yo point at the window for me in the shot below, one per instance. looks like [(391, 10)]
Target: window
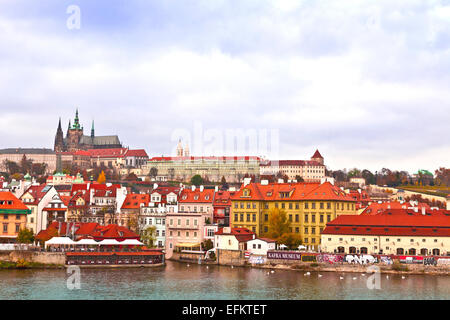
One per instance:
[(5, 228), (266, 217), (296, 218), (328, 205), (313, 240), (306, 205), (179, 233), (290, 205), (235, 217), (195, 234), (306, 218), (328, 217), (306, 230), (313, 218), (254, 217), (187, 234), (290, 218), (266, 229), (321, 205), (17, 228), (242, 217), (313, 205), (195, 222), (321, 218), (313, 230), (297, 229), (248, 217), (296, 206)]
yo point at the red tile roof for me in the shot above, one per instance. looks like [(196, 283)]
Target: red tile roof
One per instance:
[(317, 155), (241, 234), (136, 153), (389, 225), (134, 201), (36, 192), (108, 153), (9, 201), (292, 191), (197, 196), (222, 158)]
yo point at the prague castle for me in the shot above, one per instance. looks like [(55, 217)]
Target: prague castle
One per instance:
[(76, 140)]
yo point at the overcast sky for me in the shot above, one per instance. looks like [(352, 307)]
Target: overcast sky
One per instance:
[(365, 82)]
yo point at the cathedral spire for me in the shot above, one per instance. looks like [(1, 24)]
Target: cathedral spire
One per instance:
[(59, 139), (92, 130), (76, 124)]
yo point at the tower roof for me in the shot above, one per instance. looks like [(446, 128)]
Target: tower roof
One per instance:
[(317, 155)]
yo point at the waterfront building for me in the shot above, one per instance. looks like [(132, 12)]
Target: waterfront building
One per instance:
[(36, 198), (185, 228), (397, 234), (13, 217), (163, 199), (76, 140), (131, 209), (260, 246), (309, 170), (309, 206), (222, 207), (183, 168), (228, 238), (56, 210), (79, 230)]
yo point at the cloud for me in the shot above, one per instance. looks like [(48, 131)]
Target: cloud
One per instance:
[(366, 83)]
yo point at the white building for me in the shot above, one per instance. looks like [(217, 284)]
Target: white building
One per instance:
[(260, 246)]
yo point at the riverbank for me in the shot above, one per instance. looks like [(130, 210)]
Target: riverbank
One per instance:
[(19, 265), (396, 268)]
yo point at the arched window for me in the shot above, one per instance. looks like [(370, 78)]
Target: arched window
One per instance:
[(400, 251), (412, 251), (341, 250), (423, 252), (436, 252), (363, 250), (352, 250)]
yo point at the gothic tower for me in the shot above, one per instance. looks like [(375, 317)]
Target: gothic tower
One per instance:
[(74, 135), (59, 139)]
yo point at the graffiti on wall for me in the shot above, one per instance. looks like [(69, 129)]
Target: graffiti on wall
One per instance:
[(429, 261), (386, 260), (257, 260), (360, 259), (330, 258), (411, 259), (443, 261), (308, 258)]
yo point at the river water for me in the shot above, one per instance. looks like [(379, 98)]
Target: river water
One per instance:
[(199, 282)]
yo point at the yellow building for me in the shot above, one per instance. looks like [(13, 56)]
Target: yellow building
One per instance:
[(13, 217), (309, 206)]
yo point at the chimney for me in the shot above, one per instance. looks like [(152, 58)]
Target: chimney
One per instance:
[(155, 186), (416, 209), (227, 230), (264, 182), (216, 188), (359, 190), (280, 181), (193, 188), (247, 181), (202, 188), (423, 210)]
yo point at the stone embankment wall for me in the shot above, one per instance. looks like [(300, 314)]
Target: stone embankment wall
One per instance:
[(230, 257), (33, 256)]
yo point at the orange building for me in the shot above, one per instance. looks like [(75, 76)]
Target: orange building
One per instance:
[(13, 217)]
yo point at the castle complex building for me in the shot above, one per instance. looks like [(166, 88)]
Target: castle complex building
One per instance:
[(76, 140)]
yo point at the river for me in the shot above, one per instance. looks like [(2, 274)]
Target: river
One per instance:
[(199, 282)]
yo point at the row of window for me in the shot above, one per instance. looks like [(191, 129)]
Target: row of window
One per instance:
[(290, 205), (150, 221), (194, 209), (6, 216), (187, 234), (386, 240), (187, 222), (5, 228)]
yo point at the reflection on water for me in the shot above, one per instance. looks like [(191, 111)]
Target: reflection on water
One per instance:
[(197, 282)]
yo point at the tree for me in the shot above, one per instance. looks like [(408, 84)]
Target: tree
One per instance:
[(153, 172), (148, 236), (223, 180), (101, 177), (38, 168), (11, 166), (207, 245), (442, 177), (278, 223), (132, 177), (133, 223), (171, 172), (25, 164), (299, 179), (25, 236), (196, 180), (292, 240)]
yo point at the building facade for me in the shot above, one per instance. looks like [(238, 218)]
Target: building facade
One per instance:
[(13, 217)]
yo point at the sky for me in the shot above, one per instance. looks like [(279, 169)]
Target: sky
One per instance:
[(365, 82)]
